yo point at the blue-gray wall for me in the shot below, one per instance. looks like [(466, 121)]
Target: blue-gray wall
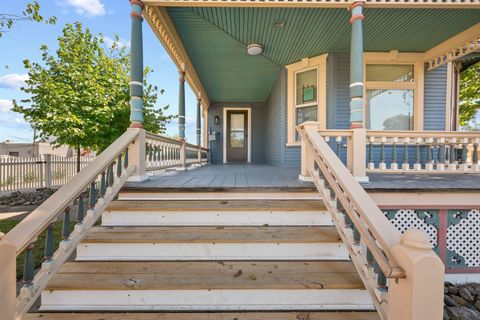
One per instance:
[(269, 120), (257, 130)]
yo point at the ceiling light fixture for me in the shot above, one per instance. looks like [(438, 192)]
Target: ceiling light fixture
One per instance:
[(254, 49), (279, 24)]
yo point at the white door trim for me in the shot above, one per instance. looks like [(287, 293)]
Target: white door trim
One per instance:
[(249, 116)]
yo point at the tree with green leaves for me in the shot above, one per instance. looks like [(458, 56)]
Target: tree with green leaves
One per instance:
[(31, 13), (469, 96), (80, 95)]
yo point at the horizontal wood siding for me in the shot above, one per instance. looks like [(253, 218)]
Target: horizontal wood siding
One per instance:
[(435, 98), (275, 129)]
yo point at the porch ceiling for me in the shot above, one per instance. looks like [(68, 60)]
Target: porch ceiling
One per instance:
[(215, 39)]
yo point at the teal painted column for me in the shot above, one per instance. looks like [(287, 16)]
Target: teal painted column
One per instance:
[(199, 121), (356, 65), (136, 68), (181, 105)]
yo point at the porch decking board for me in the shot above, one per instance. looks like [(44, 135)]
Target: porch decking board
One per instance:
[(345, 315)]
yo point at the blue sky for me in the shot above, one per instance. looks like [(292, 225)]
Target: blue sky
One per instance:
[(108, 17)]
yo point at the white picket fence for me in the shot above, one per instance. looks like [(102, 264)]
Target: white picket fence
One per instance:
[(45, 171)]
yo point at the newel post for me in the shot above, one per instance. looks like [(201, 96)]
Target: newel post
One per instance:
[(307, 160), (136, 156), (8, 256), (420, 295), (136, 65)]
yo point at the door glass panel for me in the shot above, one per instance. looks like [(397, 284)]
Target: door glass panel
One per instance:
[(306, 87), (237, 130), (389, 109)]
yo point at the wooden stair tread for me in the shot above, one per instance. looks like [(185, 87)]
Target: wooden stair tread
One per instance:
[(217, 205), (212, 234), (342, 315), (208, 275)]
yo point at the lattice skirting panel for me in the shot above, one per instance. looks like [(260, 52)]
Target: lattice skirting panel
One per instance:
[(454, 233)]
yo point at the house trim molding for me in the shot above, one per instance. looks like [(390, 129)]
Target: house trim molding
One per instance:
[(320, 63), (446, 4)]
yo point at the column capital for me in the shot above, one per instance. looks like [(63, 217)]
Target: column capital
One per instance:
[(138, 2), (181, 74)]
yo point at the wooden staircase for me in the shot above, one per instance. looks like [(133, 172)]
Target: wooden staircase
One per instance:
[(229, 254)]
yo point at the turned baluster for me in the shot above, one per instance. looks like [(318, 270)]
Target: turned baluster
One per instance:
[(66, 224), (382, 165), (119, 166), (429, 147), (154, 153), (150, 152), (125, 163), (49, 243), (80, 209), (463, 160), (371, 164), (441, 154), (29, 266), (92, 196), (475, 164), (452, 165), (103, 184), (406, 164), (417, 166), (394, 165)]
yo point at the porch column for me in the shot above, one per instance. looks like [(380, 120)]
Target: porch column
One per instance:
[(356, 65), (181, 105), (199, 121), (136, 68), (358, 146)]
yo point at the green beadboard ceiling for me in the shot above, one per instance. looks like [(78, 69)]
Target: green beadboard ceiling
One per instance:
[(216, 38)]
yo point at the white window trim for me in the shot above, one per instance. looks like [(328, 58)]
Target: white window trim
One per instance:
[(319, 63), (403, 58), (249, 132)]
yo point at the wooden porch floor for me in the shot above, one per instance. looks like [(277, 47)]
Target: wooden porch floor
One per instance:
[(266, 176), (226, 176)]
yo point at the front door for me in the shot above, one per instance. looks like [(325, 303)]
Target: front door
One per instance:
[(237, 135)]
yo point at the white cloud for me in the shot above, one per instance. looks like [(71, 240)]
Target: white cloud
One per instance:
[(13, 80), (5, 105), (90, 8), (121, 42)]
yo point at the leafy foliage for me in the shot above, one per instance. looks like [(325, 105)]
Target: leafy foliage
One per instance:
[(469, 94), (31, 13), (81, 95)]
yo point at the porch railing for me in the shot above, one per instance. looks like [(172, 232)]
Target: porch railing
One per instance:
[(423, 151), (405, 151), (401, 272), (162, 153)]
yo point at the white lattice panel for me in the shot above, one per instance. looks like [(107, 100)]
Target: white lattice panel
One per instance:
[(464, 238), (407, 219)]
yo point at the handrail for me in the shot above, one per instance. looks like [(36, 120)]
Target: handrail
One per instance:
[(353, 196), (158, 137), (422, 134), (37, 221), (402, 274)]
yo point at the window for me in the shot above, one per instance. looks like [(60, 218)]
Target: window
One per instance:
[(305, 97), (392, 95)]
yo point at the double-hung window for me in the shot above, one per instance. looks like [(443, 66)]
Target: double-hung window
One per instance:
[(306, 96)]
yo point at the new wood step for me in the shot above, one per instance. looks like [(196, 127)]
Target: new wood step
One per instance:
[(216, 212), (211, 243), (345, 315), (222, 285)]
